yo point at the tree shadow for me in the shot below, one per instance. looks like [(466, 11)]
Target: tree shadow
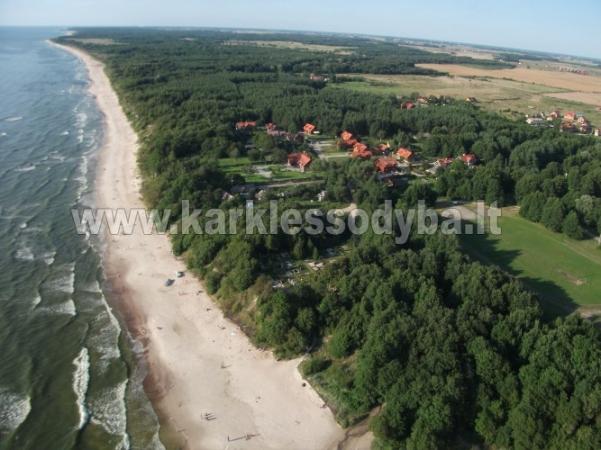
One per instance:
[(554, 299)]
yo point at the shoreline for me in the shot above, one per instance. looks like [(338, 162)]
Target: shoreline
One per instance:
[(198, 361)]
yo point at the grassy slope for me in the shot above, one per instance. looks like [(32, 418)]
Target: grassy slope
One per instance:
[(566, 273)]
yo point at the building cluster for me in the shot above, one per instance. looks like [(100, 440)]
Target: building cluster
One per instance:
[(575, 123), (469, 159), (273, 130), (388, 163), (571, 122)]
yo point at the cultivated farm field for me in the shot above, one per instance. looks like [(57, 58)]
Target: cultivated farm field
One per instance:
[(509, 97)]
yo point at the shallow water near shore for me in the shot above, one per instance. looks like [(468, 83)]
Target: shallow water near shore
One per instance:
[(67, 372)]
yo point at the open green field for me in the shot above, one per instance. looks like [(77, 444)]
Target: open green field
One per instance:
[(566, 273), (252, 174), (509, 97)]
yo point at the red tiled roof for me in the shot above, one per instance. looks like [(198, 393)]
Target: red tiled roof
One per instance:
[(383, 147), (309, 128), (360, 150), (346, 136), (245, 124), (299, 159), (444, 162), (405, 153), (469, 158), (385, 164)]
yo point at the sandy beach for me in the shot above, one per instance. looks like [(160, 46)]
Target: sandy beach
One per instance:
[(199, 362)]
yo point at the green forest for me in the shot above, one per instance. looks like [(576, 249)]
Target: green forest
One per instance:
[(450, 352)]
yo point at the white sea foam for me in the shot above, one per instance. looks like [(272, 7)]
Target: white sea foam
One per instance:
[(108, 410), (93, 287), (13, 119), (81, 379), (14, 409), (65, 133), (82, 178), (62, 309), (26, 168), (24, 253), (48, 257), (56, 156), (36, 300), (66, 281), (81, 119), (3, 134)]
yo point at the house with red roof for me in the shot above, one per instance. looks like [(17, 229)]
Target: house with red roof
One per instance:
[(300, 160), (346, 136), (361, 151), (443, 162), (408, 105), (469, 158), (385, 164), (245, 125), (405, 153), (570, 116), (347, 140), (309, 128), (383, 148)]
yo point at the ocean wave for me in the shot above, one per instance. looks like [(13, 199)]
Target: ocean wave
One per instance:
[(81, 119), (65, 133), (25, 168), (14, 409), (3, 134), (109, 411), (13, 119), (64, 282), (63, 309), (25, 254), (92, 287), (48, 257), (36, 300), (55, 155), (82, 178), (81, 379)]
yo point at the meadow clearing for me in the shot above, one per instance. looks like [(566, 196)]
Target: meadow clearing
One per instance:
[(564, 272)]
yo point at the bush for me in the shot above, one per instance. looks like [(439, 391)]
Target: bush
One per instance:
[(314, 365), (213, 281)]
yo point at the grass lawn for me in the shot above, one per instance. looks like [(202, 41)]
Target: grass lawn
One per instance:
[(244, 167), (566, 273)]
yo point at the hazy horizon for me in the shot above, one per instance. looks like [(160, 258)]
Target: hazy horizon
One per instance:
[(535, 26)]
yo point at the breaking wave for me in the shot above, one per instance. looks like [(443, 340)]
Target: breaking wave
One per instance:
[(14, 409), (81, 379), (109, 411)]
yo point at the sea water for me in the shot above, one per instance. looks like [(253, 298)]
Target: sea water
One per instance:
[(68, 378)]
